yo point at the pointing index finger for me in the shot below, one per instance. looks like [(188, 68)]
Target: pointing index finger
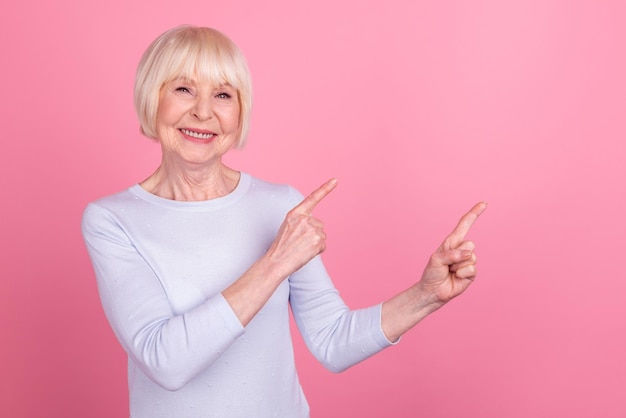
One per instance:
[(308, 203), (465, 223)]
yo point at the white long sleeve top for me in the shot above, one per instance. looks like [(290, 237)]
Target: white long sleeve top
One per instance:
[(161, 265)]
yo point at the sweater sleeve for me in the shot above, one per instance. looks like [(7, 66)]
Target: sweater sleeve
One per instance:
[(337, 336), (169, 348)]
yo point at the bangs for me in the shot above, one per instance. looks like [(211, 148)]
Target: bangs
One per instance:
[(214, 61)]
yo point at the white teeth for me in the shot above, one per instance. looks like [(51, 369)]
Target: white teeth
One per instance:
[(197, 134)]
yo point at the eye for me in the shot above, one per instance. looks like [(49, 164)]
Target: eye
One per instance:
[(223, 95), (182, 90)]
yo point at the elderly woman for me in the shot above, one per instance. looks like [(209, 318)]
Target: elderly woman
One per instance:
[(198, 264)]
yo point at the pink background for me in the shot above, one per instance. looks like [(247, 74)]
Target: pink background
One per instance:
[(420, 108)]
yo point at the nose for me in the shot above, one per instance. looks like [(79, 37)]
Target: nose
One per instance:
[(202, 109)]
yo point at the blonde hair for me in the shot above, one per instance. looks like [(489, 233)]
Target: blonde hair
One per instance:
[(191, 52)]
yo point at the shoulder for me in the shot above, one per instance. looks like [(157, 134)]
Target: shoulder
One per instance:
[(115, 200), (105, 209), (279, 192)]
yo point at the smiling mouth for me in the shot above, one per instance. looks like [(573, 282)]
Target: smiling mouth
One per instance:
[(198, 135)]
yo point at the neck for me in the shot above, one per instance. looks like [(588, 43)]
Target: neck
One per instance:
[(191, 183)]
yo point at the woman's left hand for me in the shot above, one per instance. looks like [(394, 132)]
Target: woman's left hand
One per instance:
[(452, 267)]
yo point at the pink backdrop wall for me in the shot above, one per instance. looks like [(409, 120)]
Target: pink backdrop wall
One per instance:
[(420, 108)]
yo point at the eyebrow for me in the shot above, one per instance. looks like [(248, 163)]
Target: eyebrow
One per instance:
[(192, 81)]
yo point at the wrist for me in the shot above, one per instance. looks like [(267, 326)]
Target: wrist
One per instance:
[(425, 299), (271, 269), (407, 309)]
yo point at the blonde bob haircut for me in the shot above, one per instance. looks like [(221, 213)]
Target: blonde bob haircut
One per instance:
[(195, 53)]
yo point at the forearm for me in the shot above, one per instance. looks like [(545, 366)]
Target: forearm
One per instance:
[(405, 310), (336, 336), (248, 294)]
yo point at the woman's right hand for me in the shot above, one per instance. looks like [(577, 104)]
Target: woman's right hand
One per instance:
[(301, 236)]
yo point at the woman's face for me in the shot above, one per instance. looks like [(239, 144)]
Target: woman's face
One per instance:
[(197, 122)]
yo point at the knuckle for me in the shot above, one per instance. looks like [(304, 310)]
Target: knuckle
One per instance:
[(470, 271), (318, 240)]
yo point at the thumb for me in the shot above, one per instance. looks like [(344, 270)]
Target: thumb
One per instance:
[(449, 257)]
